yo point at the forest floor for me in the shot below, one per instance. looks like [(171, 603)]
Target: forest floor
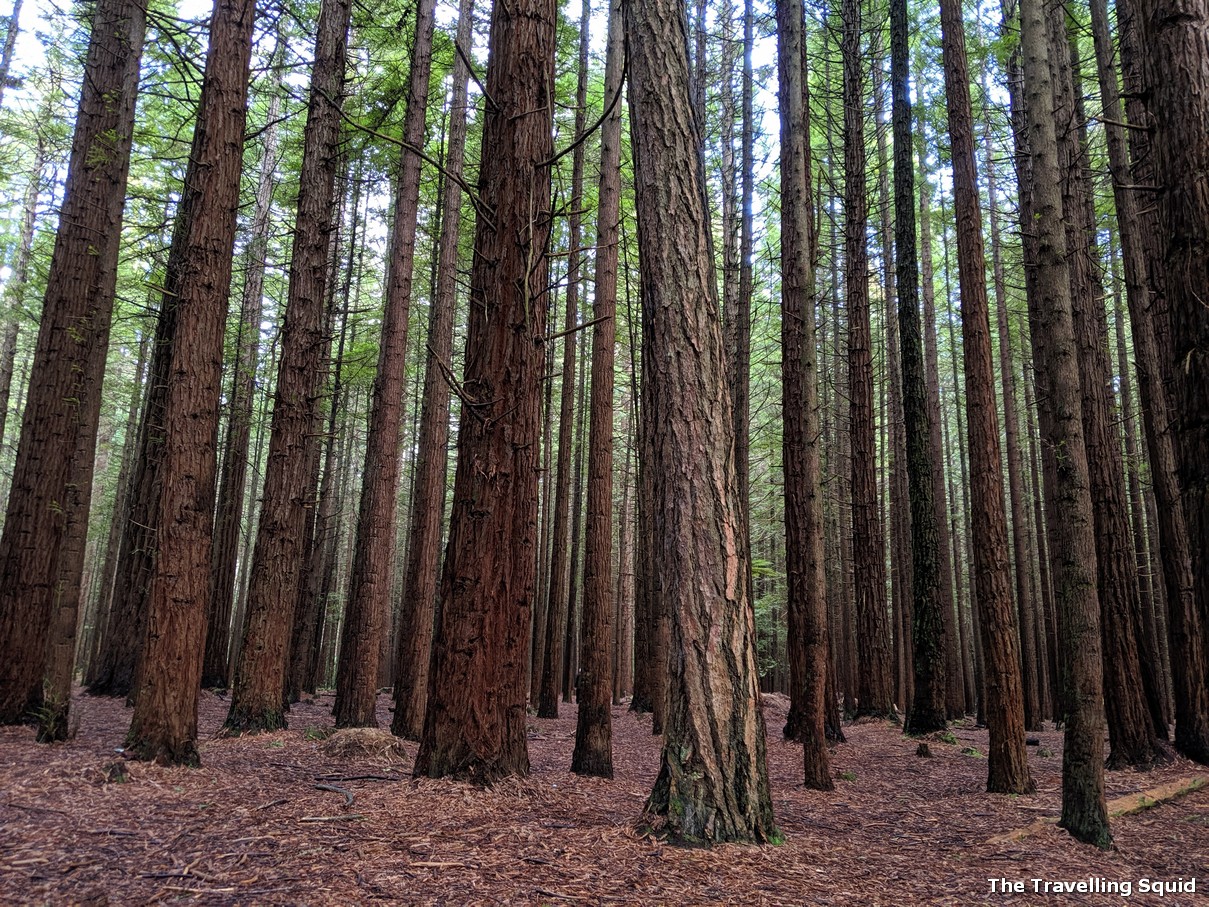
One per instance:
[(251, 826)]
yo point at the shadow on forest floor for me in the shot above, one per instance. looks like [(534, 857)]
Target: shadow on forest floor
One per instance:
[(282, 819)]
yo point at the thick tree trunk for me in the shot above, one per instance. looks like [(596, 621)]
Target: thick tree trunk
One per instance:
[(1130, 731), (593, 753), (474, 726), (1175, 37), (713, 780), (1068, 494), (59, 426), (1008, 762), (807, 590), (164, 725), (258, 696), (1189, 674)]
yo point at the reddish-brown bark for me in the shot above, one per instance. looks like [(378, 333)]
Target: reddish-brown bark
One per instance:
[(59, 426), (164, 725), (474, 726)]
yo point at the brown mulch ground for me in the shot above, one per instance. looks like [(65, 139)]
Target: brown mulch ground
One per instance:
[(252, 827)]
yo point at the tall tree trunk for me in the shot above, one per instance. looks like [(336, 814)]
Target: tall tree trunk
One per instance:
[(1189, 673), (562, 575), (1007, 375), (927, 710), (593, 753), (59, 426), (258, 696), (428, 502), (570, 649), (1084, 813), (368, 603), (713, 779), (1008, 762), (234, 471), (164, 725), (312, 593), (806, 601), (874, 672), (474, 726), (1175, 36), (955, 704), (1130, 731), (738, 317)]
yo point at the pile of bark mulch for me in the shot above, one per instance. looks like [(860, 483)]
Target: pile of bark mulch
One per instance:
[(298, 818)]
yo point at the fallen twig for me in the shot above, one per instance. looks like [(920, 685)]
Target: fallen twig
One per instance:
[(348, 794)]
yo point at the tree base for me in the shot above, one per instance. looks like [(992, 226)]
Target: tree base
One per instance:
[(919, 723), (253, 721), (164, 752)]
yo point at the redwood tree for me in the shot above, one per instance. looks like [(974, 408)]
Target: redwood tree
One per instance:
[(927, 711), (1067, 489), (713, 778), (368, 604), (807, 588), (1176, 40), (1008, 762), (257, 700), (59, 426), (875, 677), (164, 726), (474, 726), (594, 685), (428, 501)]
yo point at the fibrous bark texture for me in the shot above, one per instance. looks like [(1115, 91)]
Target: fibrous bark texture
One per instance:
[(807, 588), (428, 502), (1068, 496), (368, 603), (164, 726), (474, 726), (713, 780), (1007, 761), (258, 696), (594, 686), (52, 476), (927, 710)]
